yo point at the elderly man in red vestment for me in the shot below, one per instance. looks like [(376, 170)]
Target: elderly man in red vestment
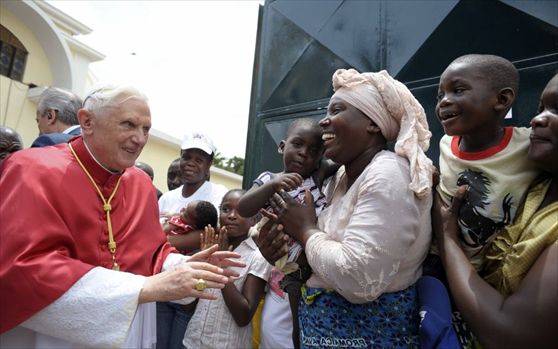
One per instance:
[(82, 254)]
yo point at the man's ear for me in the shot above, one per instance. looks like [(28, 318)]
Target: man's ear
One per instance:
[(85, 119), (281, 147), (51, 116), (372, 128), (505, 99)]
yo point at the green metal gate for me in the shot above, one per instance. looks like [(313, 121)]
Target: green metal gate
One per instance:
[(301, 43)]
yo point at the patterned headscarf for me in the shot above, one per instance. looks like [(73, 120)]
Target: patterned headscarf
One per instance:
[(398, 114)]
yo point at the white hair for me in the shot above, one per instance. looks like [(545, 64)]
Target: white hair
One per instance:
[(65, 102), (111, 95)]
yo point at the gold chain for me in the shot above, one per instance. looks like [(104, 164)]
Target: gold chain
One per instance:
[(106, 207)]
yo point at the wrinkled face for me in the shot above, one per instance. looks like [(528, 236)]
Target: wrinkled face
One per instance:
[(344, 131), (466, 101), (543, 148), (188, 214), (117, 137), (174, 176), (228, 216), (302, 150), (195, 164)]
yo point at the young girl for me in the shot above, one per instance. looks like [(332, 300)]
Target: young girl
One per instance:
[(302, 151), (226, 321)]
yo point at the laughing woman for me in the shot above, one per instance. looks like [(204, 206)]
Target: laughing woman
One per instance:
[(367, 246)]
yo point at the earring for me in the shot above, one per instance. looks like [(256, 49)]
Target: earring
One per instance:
[(280, 151)]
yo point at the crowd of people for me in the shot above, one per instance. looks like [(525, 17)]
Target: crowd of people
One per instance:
[(351, 245)]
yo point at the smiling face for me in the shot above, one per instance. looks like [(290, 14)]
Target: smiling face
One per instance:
[(118, 133), (229, 218), (344, 131), (543, 148), (195, 164), (466, 101), (303, 149)]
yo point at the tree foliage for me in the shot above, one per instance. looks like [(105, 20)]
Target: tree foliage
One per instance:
[(234, 164)]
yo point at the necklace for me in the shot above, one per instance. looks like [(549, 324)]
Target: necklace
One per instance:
[(106, 207)]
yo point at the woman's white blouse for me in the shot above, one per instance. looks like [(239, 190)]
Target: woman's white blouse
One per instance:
[(374, 236)]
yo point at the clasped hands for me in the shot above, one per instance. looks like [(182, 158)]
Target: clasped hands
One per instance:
[(286, 218)]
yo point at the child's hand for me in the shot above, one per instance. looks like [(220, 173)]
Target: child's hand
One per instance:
[(287, 182), (210, 238), (223, 240)]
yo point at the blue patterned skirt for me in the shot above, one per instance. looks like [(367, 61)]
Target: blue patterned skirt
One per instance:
[(328, 320)]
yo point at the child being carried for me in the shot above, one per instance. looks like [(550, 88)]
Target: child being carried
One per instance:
[(196, 215)]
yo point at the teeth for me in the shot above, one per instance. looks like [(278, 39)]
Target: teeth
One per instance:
[(447, 116), (328, 136)]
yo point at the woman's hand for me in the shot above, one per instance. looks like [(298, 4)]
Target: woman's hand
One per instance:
[(271, 240), (299, 220), (222, 259), (444, 218)]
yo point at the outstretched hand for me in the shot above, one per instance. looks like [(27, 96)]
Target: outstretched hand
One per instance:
[(222, 259), (444, 217), (180, 282)]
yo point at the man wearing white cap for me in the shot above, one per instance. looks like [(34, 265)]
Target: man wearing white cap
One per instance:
[(196, 157)]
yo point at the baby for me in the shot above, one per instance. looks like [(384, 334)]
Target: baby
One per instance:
[(195, 216)]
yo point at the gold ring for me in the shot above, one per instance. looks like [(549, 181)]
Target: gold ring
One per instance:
[(201, 285)]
